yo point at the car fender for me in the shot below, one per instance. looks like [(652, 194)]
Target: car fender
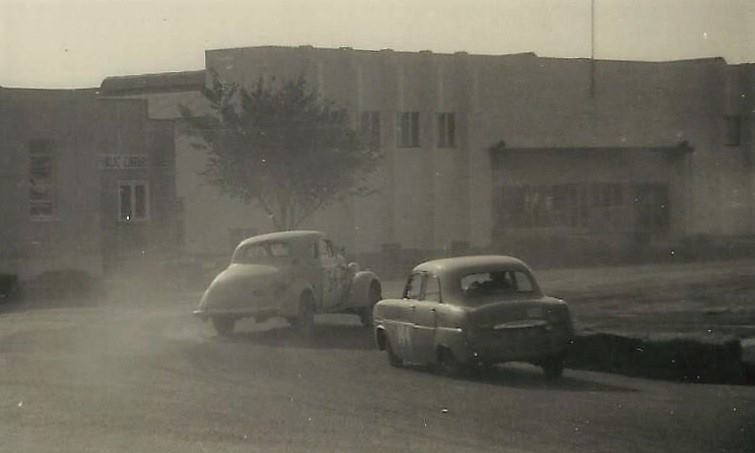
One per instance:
[(453, 338), (359, 289), (289, 303)]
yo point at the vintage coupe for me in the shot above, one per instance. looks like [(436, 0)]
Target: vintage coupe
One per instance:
[(292, 274), (457, 313)]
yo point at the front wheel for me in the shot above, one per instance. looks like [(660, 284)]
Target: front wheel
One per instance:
[(553, 367), (393, 359), (223, 325)]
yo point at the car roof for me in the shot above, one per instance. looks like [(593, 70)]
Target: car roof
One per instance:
[(294, 235), (475, 263)]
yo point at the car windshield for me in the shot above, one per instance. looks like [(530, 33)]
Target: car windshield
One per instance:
[(498, 282), (261, 252)]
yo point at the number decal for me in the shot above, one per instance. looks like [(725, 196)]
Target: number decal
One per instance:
[(404, 336)]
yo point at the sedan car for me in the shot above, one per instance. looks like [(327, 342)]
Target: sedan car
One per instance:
[(465, 311), (291, 274)]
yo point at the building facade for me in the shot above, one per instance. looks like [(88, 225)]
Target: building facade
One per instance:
[(86, 182), (519, 152), (538, 157)]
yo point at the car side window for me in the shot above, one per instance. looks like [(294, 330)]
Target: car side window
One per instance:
[(413, 287), (323, 249), (432, 289), (523, 283)]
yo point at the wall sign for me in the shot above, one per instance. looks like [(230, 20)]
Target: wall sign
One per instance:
[(123, 161)]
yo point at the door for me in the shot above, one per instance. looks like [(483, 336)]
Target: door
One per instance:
[(403, 329), (425, 320), (328, 274)]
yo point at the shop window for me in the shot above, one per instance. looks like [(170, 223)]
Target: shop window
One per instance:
[(133, 201), (652, 206), (41, 180), (408, 130), (369, 128), (446, 130)]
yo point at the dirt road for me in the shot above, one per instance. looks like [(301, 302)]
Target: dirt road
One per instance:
[(115, 378)]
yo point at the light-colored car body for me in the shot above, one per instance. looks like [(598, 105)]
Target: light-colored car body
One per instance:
[(457, 312), (291, 274)]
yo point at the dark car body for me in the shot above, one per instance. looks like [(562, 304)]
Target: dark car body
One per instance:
[(457, 312), (291, 274)]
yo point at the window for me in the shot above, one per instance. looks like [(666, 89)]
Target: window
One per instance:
[(733, 131), (497, 282), (279, 249), (369, 128), (408, 130), (324, 249), (446, 130), (251, 254), (413, 287), (41, 179), (432, 289), (133, 201), (606, 195), (651, 203)]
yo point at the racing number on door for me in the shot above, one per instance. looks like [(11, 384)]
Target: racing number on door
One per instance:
[(404, 336)]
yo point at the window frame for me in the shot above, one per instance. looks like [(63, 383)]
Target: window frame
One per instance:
[(42, 148), (446, 127), (405, 295), (370, 128), (132, 184), (409, 129)]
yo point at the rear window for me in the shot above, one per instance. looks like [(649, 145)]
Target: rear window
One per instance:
[(262, 251), (491, 283)]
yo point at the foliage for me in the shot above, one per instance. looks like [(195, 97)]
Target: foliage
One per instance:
[(282, 146)]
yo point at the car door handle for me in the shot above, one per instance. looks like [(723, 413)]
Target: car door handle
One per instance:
[(413, 308)]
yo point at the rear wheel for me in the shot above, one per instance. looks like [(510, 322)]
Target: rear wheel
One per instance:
[(553, 367), (223, 325), (305, 321), (448, 364)]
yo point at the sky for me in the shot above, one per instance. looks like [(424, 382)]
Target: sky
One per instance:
[(77, 43)]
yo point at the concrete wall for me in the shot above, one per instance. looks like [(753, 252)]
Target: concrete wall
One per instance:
[(69, 238), (84, 229), (430, 197), (626, 121)]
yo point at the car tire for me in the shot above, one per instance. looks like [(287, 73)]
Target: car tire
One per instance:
[(366, 313), (553, 367), (223, 325), (393, 359), (305, 320), (449, 365)]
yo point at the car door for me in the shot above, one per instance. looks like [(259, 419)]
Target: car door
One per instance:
[(403, 330), (424, 320), (328, 274)]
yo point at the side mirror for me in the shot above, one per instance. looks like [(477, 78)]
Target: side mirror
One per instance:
[(353, 267)]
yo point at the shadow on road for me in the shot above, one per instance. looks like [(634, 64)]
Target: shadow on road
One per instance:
[(530, 377), (15, 305), (324, 337)]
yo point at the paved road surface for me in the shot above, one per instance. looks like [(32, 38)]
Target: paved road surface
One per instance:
[(151, 378)]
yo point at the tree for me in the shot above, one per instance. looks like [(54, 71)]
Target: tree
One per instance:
[(282, 146)]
